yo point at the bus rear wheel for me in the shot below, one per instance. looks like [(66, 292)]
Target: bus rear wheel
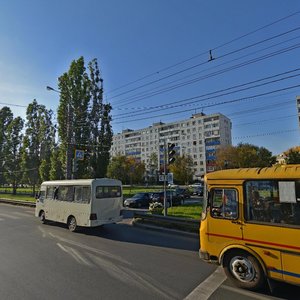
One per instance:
[(244, 270), (43, 217), (72, 224)]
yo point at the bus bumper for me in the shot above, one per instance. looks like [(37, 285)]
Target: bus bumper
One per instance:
[(207, 257), (94, 223)]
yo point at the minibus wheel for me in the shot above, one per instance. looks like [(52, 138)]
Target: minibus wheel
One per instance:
[(72, 224), (42, 217), (244, 270)]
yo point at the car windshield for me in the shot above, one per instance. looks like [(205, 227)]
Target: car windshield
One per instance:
[(139, 195)]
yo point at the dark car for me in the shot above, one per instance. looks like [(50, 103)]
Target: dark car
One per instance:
[(138, 200), (172, 198), (199, 191), (184, 193)]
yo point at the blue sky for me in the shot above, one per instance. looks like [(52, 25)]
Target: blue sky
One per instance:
[(133, 39)]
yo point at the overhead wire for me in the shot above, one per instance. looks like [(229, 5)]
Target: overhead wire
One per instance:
[(150, 93), (206, 51), (187, 101), (214, 104)]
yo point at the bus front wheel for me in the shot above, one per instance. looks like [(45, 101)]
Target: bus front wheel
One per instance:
[(244, 270), (72, 224)]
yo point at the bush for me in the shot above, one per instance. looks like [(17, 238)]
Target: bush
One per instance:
[(156, 208)]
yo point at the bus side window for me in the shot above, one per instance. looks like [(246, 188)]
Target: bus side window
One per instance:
[(86, 194), (224, 203), (55, 193), (99, 192)]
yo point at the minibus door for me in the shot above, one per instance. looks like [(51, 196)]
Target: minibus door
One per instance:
[(224, 226)]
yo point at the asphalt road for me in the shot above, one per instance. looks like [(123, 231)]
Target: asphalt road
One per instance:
[(114, 262)]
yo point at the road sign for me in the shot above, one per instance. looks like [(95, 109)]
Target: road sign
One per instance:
[(79, 154), (161, 177), (170, 178)]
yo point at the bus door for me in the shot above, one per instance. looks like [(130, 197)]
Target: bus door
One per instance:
[(108, 201), (224, 224)]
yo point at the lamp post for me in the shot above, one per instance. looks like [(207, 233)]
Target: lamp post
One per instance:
[(69, 152)]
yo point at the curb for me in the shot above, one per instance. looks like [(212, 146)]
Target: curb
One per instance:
[(17, 202), (165, 229)]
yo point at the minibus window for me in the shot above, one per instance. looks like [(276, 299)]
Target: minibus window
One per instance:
[(273, 201), (82, 194), (224, 203), (108, 192)]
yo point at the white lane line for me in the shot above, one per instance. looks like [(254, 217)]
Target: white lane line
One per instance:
[(91, 249), (245, 293), (129, 277), (42, 231), (21, 214), (81, 260), (9, 216), (206, 288)]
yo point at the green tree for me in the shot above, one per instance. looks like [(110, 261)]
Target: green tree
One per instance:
[(182, 169), (84, 120), (244, 156), (127, 169), (100, 119), (73, 117), (293, 155), (117, 168), (56, 171), (6, 117), (12, 153), (38, 144)]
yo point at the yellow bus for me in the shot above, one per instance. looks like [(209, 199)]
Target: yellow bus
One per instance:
[(250, 224)]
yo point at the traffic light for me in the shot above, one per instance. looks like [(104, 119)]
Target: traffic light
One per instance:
[(171, 153)]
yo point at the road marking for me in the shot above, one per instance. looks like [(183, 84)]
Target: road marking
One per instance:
[(206, 288), (42, 231), (75, 254), (9, 216), (91, 249), (245, 293), (21, 214), (130, 277)]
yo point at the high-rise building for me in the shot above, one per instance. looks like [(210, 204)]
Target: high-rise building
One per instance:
[(198, 137)]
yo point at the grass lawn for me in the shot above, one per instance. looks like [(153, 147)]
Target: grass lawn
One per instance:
[(17, 197), (131, 191), (191, 211)]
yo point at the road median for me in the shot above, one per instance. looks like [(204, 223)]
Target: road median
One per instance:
[(167, 223), (17, 202)]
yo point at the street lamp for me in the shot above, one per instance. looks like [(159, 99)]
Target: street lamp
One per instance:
[(49, 88), (69, 152)]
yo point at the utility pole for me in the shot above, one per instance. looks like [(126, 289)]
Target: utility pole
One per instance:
[(165, 177), (69, 151)]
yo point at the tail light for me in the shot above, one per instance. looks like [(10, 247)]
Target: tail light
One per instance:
[(93, 216)]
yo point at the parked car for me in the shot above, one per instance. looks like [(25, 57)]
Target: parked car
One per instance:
[(138, 200), (184, 193), (172, 198), (198, 190)]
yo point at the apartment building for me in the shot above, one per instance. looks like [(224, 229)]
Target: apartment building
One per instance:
[(198, 137)]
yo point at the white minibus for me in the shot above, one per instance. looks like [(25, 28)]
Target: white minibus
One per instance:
[(80, 202)]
